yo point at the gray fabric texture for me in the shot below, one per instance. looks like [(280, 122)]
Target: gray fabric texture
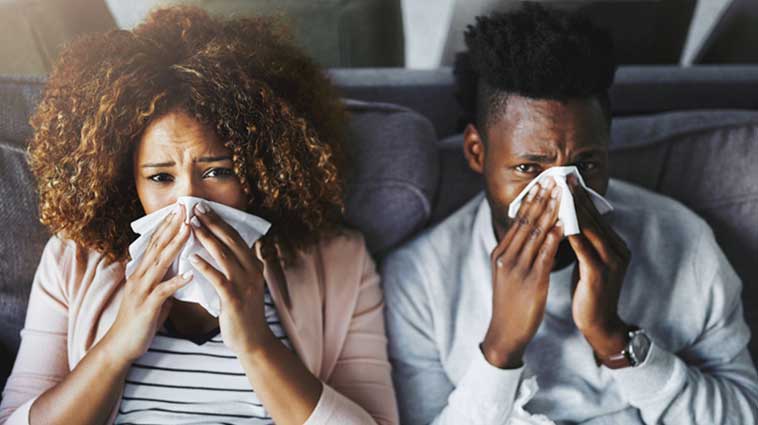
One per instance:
[(18, 98), (637, 90), (394, 173), (20, 248)]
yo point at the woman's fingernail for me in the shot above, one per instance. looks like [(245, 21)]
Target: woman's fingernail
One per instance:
[(533, 192), (194, 259), (201, 208), (195, 222), (187, 275)]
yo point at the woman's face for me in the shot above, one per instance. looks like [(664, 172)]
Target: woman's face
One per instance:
[(180, 156)]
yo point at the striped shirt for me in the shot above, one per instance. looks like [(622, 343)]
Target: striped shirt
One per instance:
[(199, 381)]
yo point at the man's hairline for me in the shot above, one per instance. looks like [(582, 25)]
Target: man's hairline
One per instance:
[(498, 99)]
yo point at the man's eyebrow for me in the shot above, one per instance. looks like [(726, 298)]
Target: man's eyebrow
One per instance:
[(536, 157), (590, 152), (201, 159)]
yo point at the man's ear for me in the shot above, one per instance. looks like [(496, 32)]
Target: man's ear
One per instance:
[(473, 148)]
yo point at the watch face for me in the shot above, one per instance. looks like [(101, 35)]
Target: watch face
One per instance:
[(639, 345)]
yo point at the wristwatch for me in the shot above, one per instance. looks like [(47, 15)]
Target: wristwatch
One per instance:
[(633, 354)]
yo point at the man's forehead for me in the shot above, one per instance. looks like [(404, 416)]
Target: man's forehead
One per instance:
[(537, 125)]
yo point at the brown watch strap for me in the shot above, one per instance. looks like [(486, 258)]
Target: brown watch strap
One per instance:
[(617, 361)]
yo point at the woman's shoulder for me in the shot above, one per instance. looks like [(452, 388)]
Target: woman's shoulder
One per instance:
[(67, 264), (62, 251), (343, 248)]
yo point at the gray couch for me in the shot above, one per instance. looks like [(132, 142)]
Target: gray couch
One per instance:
[(688, 133)]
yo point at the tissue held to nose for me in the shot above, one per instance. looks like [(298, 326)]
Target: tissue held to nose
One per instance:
[(199, 290), (566, 210)]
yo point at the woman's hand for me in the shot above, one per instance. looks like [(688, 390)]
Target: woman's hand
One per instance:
[(239, 283), (146, 301)]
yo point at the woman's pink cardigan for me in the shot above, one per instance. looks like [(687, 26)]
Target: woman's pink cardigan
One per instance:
[(329, 300)]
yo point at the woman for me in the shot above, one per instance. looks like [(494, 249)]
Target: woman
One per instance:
[(187, 105)]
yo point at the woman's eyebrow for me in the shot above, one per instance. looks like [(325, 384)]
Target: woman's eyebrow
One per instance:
[(201, 159), (214, 158)]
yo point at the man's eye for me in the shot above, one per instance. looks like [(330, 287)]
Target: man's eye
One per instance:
[(161, 178), (219, 172), (587, 166), (526, 168)]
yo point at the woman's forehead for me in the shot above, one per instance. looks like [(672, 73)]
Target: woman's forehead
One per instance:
[(177, 131)]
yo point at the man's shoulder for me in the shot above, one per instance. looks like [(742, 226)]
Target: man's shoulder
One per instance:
[(444, 239), (642, 214), (433, 255)]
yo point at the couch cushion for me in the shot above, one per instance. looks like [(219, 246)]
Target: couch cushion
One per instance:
[(394, 159), (705, 159), (18, 98), (20, 247)]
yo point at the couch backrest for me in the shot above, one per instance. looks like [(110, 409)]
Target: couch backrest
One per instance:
[(637, 90)]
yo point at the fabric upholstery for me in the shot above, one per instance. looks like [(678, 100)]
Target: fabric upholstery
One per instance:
[(394, 172), (20, 247), (637, 90)]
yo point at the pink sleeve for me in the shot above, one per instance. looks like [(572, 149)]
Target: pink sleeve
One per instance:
[(360, 389), (42, 359)]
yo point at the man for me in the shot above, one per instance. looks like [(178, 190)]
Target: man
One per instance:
[(637, 319)]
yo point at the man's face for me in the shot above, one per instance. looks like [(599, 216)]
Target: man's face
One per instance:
[(530, 136)]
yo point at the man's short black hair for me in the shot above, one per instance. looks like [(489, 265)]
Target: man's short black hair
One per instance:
[(532, 52)]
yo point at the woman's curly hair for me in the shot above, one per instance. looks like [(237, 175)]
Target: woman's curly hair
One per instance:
[(270, 104)]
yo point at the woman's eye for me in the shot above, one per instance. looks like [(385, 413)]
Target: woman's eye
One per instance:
[(161, 178), (526, 168), (219, 172)]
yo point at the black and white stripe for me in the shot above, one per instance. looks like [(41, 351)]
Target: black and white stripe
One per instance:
[(178, 381)]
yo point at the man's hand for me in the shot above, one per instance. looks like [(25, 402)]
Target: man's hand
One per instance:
[(521, 265), (603, 258)]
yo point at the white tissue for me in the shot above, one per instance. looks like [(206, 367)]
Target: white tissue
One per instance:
[(566, 211), (199, 290)]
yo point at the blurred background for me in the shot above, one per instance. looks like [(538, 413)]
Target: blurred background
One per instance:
[(418, 34)]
